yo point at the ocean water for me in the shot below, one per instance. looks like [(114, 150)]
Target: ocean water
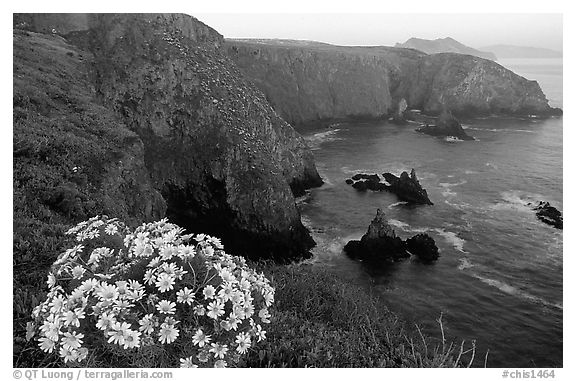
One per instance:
[(499, 278)]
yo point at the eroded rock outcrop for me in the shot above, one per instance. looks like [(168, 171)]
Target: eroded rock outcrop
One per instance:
[(407, 187), (223, 160), (314, 82), (446, 126), (423, 246), (549, 214), (379, 245)]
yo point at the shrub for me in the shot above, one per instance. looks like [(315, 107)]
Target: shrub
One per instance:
[(150, 297)]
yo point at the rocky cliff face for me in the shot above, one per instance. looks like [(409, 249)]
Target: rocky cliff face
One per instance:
[(224, 162), (308, 83), (444, 45)]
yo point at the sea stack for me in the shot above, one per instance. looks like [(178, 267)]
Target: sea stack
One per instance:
[(407, 187), (379, 245), (446, 125)]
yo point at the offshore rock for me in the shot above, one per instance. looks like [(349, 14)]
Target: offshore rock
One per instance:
[(423, 246), (446, 125), (549, 214), (197, 132), (363, 182), (308, 83), (407, 187), (379, 245)]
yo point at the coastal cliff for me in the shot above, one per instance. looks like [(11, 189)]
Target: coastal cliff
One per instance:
[(307, 83), (200, 143), (444, 45)]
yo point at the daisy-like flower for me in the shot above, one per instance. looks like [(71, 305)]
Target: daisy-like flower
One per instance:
[(208, 251), (200, 338), (73, 317), (51, 280), (122, 305), (165, 282), (72, 340), (220, 364), (82, 354), (264, 315), (154, 262), (247, 310), (187, 253), (51, 330), (122, 287), (168, 334), (215, 309), (46, 344), (135, 294), (167, 252), (57, 303), (106, 321), (260, 333), (147, 324), (111, 229), (166, 307), (185, 296), (268, 298), (117, 333), (131, 339), (149, 276), (187, 363), (219, 350), (227, 276), (68, 354), (216, 242), (135, 285), (199, 310), (200, 237), (107, 292), (78, 272), (226, 292), (89, 284), (209, 292), (244, 342)]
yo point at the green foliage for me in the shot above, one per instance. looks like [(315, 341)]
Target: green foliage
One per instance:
[(320, 320)]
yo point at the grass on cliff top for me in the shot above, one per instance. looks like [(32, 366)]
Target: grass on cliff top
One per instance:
[(321, 320)]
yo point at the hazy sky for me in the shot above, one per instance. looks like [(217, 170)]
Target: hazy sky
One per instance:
[(472, 29)]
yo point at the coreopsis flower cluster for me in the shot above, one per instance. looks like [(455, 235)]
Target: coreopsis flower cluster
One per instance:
[(151, 287)]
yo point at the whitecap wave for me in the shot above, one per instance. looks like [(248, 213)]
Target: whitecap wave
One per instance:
[(500, 130), (399, 224), (314, 141), (399, 203), (517, 200), (514, 291), (464, 264), (453, 239)]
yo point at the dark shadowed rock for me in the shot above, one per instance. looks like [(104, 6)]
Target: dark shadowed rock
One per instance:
[(446, 125), (423, 246), (379, 245), (363, 182), (407, 187), (549, 214), (179, 131)]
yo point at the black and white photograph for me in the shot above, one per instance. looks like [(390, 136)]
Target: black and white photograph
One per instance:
[(306, 189)]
